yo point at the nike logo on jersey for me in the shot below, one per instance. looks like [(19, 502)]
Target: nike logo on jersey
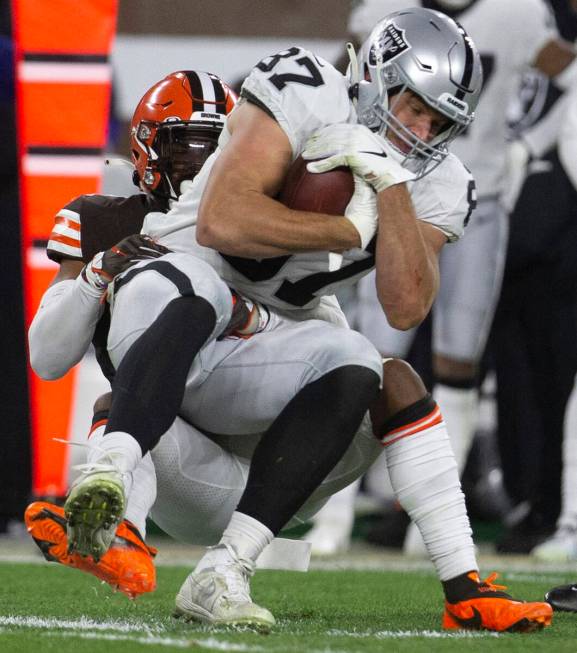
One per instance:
[(381, 154)]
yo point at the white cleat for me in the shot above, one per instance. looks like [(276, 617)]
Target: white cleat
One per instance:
[(220, 596), (94, 508), (560, 547)]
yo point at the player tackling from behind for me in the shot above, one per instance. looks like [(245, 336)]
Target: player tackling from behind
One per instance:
[(417, 88), (174, 129)]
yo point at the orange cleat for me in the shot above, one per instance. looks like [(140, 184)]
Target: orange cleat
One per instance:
[(127, 566), (490, 608)]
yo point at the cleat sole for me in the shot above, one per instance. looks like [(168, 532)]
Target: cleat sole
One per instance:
[(94, 506), (127, 567)]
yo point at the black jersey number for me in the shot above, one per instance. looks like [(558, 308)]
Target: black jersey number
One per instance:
[(472, 199), (314, 78), (301, 292)]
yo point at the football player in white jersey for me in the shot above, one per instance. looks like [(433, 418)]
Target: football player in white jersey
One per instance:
[(471, 271), (174, 129), (304, 380)]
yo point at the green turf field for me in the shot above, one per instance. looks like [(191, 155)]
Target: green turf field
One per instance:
[(50, 608)]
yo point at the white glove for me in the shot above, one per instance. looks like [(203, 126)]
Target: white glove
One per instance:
[(516, 162), (362, 211), (368, 156)]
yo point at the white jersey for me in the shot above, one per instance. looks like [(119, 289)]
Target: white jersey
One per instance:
[(304, 93), (508, 35)]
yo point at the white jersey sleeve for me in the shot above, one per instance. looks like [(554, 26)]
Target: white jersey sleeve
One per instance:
[(446, 197), (301, 91), (534, 25)]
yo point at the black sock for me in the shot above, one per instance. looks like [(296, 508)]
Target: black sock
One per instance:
[(305, 443), (468, 586), (456, 589), (149, 384)]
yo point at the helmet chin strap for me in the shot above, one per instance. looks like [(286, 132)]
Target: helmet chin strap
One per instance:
[(353, 72)]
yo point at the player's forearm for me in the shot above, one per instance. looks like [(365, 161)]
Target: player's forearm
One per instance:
[(406, 277), (62, 328), (253, 225)]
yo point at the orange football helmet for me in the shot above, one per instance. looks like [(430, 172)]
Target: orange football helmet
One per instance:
[(175, 128)]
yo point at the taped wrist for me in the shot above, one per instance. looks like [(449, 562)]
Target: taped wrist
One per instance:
[(93, 275)]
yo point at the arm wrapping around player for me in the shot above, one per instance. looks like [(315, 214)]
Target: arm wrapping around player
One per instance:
[(406, 253), (238, 216), (63, 326)]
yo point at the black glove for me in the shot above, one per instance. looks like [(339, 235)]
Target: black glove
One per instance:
[(102, 269)]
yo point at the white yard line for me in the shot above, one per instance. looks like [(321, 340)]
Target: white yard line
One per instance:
[(133, 631), (211, 644), (410, 634), (146, 633), (84, 623)]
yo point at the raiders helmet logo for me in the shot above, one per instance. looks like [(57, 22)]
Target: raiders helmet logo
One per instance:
[(391, 43)]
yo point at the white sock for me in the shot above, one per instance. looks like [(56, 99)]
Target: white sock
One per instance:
[(459, 407), (247, 536), (121, 447), (568, 516), (142, 495), (426, 481)]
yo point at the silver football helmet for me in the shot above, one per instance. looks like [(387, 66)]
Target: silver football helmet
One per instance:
[(425, 52)]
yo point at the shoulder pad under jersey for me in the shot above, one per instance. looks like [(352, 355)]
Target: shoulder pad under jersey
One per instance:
[(93, 223), (301, 91), (446, 197)]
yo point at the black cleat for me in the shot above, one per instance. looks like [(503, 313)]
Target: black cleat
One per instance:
[(563, 598)]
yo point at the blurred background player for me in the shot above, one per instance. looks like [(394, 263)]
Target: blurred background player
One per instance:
[(174, 129), (538, 313), (471, 271)]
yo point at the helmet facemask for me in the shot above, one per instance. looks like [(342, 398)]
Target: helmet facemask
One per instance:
[(422, 156), (183, 148), (390, 65), (178, 151)]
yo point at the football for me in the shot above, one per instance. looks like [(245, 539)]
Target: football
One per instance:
[(325, 192)]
